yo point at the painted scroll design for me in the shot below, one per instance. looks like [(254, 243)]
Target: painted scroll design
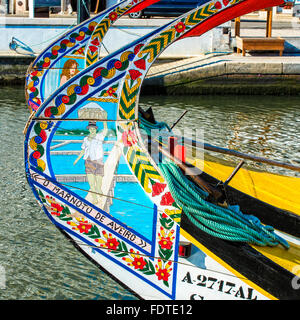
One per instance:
[(151, 180), (91, 31)]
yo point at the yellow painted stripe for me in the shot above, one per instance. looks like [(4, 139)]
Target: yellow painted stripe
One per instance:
[(277, 190), (280, 191), (288, 259)]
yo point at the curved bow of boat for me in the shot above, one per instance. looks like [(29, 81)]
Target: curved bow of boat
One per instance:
[(76, 49), (89, 168)]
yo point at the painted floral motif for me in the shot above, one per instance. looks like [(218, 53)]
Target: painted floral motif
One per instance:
[(135, 260), (93, 49), (55, 208), (165, 251), (163, 272), (167, 199), (118, 248), (180, 27), (134, 74), (218, 5), (158, 188), (129, 138), (110, 92), (109, 242), (95, 42), (139, 263), (113, 16), (141, 64), (81, 225), (166, 241)]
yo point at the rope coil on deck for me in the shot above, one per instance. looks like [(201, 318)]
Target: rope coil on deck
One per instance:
[(225, 223), (148, 126)]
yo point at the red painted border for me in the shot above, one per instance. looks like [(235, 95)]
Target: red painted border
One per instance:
[(141, 6), (230, 13)]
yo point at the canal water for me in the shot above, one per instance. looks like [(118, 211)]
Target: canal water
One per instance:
[(36, 260)]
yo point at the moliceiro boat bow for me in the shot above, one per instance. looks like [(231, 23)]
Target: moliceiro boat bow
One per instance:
[(134, 206)]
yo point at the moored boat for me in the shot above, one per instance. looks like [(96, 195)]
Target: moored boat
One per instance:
[(145, 215)]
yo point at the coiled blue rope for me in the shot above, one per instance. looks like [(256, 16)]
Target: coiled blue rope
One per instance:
[(148, 126), (227, 223)]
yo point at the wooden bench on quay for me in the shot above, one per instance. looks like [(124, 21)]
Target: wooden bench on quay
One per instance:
[(259, 44)]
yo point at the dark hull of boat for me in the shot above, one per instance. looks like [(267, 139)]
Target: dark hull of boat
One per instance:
[(242, 257), (247, 261)]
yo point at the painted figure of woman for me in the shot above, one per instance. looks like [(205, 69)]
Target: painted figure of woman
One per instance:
[(92, 153), (70, 69)]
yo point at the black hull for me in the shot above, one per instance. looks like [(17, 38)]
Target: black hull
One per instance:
[(253, 265)]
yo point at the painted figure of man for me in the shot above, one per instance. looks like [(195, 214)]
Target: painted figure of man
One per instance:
[(92, 153)]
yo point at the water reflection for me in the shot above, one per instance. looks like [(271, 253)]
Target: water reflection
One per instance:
[(260, 125)]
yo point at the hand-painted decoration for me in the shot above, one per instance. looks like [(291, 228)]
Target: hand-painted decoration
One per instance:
[(76, 49), (102, 170)]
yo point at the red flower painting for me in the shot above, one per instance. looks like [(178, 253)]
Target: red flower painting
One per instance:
[(84, 227), (112, 243), (163, 274), (167, 199), (218, 5), (111, 91), (166, 243), (93, 49), (56, 208), (180, 27), (158, 188), (139, 263), (134, 74), (95, 42), (113, 16), (141, 64)]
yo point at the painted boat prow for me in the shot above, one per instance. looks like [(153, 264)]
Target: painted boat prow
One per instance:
[(93, 176)]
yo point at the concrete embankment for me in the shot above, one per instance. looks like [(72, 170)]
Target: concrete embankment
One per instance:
[(176, 72), (211, 74), (226, 74), (13, 68)]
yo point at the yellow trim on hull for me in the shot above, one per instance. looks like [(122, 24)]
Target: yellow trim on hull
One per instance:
[(288, 259), (277, 190)]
